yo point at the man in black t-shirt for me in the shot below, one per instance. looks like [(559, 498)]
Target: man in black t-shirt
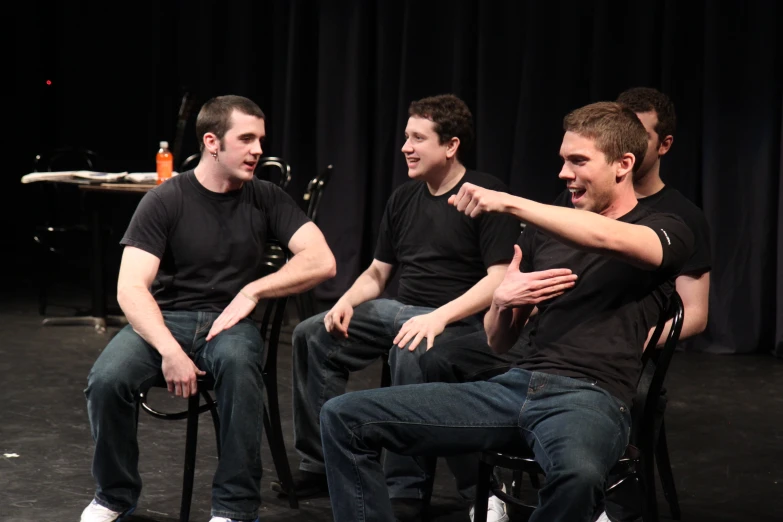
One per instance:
[(569, 399), (191, 274), (448, 264), (657, 114)]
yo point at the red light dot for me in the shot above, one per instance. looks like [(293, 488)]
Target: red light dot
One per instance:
[(48, 82)]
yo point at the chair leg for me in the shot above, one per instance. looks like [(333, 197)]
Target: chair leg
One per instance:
[(215, 417), (649, 501), (665, 473), (190, 458), (482, 492), (274, 433), (385, 372)]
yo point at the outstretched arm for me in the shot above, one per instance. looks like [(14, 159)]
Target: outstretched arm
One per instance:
[(636, 244)]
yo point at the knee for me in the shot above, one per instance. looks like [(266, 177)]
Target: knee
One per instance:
[(105, 379), (308, 329), (582, 474), (333, 413), (434, 365)]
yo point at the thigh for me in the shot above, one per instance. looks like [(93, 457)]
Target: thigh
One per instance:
[(462, 359), (127, 360), (239, 346), (574, 425), (434, 419)]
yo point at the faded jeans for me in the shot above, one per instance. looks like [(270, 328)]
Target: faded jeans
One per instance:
[(129, 365), (577, 432), (322, 364)]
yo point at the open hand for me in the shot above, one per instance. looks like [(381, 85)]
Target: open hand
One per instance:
[(417, 328), (239, 308), (530, 288)]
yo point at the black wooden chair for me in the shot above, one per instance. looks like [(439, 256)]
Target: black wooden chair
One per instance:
[(63, 233), (638, 461), (275, 170), (271, 324), (305, 302)]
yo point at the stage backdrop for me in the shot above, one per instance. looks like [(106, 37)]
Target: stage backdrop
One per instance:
[(336, 77)]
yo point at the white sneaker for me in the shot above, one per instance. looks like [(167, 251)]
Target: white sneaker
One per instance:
[(97, 513), (496, 510), (603, 518)]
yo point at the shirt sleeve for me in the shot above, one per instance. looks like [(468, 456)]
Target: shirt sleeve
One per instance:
[(384, 248), (148, 229), (285, 216), (676, 239), (497, 235), (525, 242), (701, 260)]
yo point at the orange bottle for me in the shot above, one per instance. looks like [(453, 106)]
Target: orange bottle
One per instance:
[(165, 162)]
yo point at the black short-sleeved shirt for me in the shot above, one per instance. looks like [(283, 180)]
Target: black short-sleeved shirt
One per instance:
[(597, 329), (210, 244), (671, 201), (441, 253)]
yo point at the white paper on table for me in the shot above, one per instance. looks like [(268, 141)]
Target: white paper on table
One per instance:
[(144, 177)]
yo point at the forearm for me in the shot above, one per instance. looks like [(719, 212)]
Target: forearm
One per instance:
[(301, 273), (144, 315), (369, 285), (476, 299), (581, 229), (502, 326)]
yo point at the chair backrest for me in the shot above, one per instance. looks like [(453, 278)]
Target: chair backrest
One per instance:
[(274, 169), (186, 107), (315, 190), (65, 159), (655, 364), (190, 162)]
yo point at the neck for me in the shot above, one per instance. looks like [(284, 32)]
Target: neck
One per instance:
[(444, 180), (623, 203), (650, 183), (213, 177)]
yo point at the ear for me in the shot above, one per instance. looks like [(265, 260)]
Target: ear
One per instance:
[(451, 147), (625, 166), (211, 142), (665, 145)]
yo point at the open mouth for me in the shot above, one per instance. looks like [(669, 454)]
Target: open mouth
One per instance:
[(250, 164), (576, 194), (412, 162)]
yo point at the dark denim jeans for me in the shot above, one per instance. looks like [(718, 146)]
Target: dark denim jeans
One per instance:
[(576, 430), (322, 364), (129, 365)]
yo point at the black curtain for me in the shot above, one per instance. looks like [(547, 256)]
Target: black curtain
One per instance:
[(336, 77)]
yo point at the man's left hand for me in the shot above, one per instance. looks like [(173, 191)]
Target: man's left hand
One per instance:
[(417, 328), (239, 308), (474, 200)]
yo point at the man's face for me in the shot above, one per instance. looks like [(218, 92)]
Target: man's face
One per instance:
[(589, 178), (240, 148), (649, 120), (423, 150)]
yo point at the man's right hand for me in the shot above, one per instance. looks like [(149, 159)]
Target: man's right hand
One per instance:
[(530, 288), (338, 318), (180, 373)]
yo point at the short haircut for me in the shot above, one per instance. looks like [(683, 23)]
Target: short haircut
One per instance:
[(615, 128), (647, 99), (451, 117), (215, 115)]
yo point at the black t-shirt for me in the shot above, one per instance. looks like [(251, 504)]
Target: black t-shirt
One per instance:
[(210, 244), (597, 329), (441, 253), (670, 200)]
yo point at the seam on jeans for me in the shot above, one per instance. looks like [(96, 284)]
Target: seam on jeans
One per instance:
[(358, 484), (538, 442)]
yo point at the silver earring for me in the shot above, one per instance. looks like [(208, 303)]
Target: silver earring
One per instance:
[(214, 155)]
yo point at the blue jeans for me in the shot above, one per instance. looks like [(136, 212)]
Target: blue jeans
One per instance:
[(129, 365), (322, 363), (577, 432)]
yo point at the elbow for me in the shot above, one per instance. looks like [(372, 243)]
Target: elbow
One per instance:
[(328, 266), (701, 323)]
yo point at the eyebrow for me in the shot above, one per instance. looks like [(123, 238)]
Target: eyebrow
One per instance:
[(575, 157)]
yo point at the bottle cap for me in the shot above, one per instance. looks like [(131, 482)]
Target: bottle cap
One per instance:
[(164, 144)]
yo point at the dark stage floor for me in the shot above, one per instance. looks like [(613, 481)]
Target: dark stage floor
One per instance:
[(724, 423)]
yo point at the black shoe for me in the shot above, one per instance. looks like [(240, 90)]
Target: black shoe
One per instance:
[(408, 509), (306, 484)]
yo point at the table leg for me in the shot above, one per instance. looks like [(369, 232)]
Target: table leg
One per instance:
[(98, 319)]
